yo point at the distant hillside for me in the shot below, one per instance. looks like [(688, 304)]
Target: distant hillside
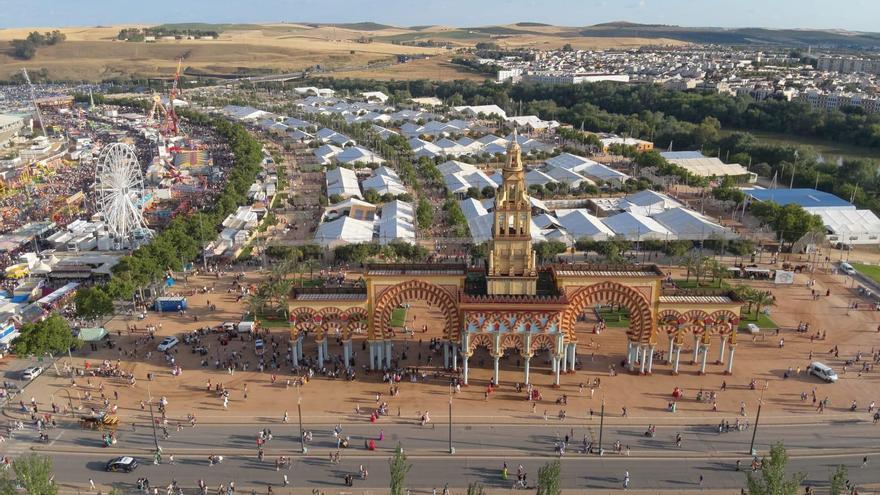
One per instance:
[(737, 36), (532, 24), (363, 26)]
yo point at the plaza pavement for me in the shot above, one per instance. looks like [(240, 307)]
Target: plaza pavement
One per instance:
[(645, 397)]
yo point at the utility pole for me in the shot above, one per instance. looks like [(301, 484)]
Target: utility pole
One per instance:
[(158, 452), (451, 448), (302, 445), (601, 423), (793, 170), (757, 418)]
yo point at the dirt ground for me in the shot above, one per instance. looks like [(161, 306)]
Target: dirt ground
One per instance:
[(645, 397)]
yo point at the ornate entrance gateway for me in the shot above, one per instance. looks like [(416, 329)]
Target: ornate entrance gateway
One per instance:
[(513, 305)]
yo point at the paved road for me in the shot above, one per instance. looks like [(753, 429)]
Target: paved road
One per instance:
[(480, 451)]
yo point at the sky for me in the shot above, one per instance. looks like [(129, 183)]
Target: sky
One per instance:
[(857, 15)]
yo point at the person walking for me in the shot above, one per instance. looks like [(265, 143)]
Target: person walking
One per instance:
[(92, 484), (626, 480)]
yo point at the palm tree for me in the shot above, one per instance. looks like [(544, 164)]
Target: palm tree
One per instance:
[(719, 272), (745, 293), (256, 303), (763, 299), (689, 263)]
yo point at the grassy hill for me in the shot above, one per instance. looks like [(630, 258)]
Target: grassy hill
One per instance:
[(737, 36)]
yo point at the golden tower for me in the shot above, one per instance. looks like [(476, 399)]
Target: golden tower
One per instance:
[(511, 257)]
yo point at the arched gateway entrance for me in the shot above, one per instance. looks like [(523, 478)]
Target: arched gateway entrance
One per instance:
[(517, 328), (511, 303)]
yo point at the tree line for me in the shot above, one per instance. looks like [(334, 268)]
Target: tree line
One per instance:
[(683, 120), (25, 49)]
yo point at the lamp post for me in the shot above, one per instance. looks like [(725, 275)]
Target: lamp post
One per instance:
[(451, 448), (601, 423), (153, 421), (757, 418), (299, 411), (70, 403)]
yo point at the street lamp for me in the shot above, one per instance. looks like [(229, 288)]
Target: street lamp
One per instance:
[(299, 411), (757, 418), (451, 448), (153, 420), (601, 423)]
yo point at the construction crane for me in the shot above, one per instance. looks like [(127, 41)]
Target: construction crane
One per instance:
[(169, 128), (34, 101)]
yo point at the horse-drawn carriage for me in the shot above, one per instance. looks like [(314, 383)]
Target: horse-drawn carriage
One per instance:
[(99, 423)]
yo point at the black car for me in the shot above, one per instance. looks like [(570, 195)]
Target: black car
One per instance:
[(126, 464)]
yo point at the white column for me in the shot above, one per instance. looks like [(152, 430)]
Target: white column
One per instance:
[(326, 348), (446, 355), (703, 362), (696, 348), (643, 359), (380, 351), (722, 349), (564, 359), (650, 359), (553, 362), (631, 356), (671, 348), (677, 359), (372, 346), (730, 360), (346, 353), (464, 366), (293, 355), (497, 378), (388, 353), (573, 356), (528, 360), (556, 380), (320, 355)]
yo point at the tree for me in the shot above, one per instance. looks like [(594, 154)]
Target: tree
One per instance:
[(762, 299), (425, 213), (773, 480), (548, 479), (51, 335), (837, 481), (547, 250), (92, 303), (34, 473), (475, 489), (399, 469)]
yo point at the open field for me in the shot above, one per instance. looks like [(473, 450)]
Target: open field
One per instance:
[(830, 150), (435, 68), (93, 53)]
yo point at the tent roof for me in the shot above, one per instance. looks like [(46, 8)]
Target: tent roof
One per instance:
[(689, 225), (636, 227), (579, 223)]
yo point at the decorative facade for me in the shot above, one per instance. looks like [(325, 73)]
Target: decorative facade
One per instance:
[(512, 305)]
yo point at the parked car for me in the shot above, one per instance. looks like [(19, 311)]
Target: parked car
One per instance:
[(847, 268), (227, 326), (168, 343), (126, 464), (822, 371), (753, 329), (31, 372)]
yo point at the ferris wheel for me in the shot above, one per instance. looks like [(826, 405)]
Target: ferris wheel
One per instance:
[(120, 197)]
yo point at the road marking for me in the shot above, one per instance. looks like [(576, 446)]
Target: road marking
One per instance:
[(56, 438)]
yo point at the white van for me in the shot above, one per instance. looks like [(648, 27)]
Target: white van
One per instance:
[(847, 268), (228, 326), (822, 371), (247, 326)]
